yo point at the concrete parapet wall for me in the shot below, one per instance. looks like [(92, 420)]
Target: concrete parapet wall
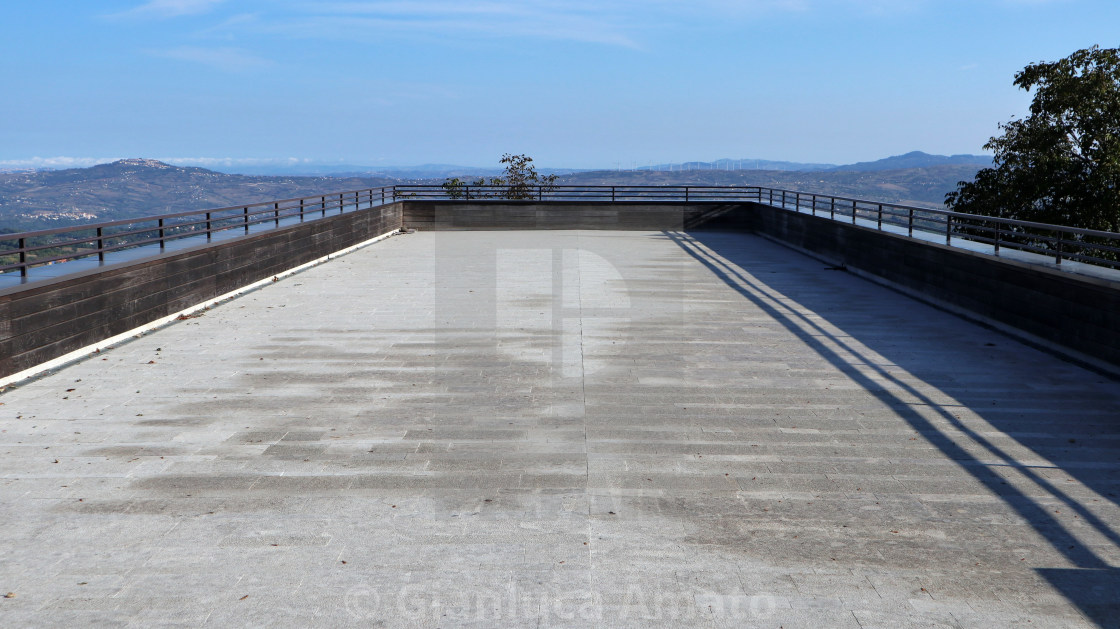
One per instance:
[(44, 321), (499, 215), (1055, 308), (48, 320)]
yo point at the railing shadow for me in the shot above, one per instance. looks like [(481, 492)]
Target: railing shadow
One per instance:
[(1094, 585)]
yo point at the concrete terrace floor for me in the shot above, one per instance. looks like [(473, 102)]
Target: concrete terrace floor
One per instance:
[(564, 429)]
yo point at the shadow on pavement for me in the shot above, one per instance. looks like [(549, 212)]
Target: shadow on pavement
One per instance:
[(1072, 448)]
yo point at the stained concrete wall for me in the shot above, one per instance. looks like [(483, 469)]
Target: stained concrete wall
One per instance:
[(499, 215), (1066, 310), (47, 320)]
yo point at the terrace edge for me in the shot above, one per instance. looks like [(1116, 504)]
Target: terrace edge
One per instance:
[(51, 322), (1075, 316), (59, 320)]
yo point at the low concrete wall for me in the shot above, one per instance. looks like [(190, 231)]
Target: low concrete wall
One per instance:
[(1070, 311), (499, 215), (47, 320)]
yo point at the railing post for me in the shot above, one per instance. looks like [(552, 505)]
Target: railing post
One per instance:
[(276, 214), (998, 230), (948, 227), (246, 219), (209, 228), (23, 257), (612, 194), (301, 209), (100, 246), (540, 193), (685, 194), (783, 199), (161, 234), (832, 208), (853, 212), (1058, 255), (341, 204), (910, 224), (814, 208), (797, 202), (382, 195), (467, 191), (323, 205), (771, 191), (879, 223)]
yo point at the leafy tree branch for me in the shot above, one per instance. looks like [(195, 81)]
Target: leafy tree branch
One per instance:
[(1060, 164), (520, 180)]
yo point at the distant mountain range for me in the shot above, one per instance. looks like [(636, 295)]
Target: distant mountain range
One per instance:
[(143, 187), (915, 159), (422, 171), (911, 186)]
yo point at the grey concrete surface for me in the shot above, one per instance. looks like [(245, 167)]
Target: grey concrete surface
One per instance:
[(564, 429)]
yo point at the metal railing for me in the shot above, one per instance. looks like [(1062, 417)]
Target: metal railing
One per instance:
[(1089, 246), (63, 244), (600, 193), (22, 251)]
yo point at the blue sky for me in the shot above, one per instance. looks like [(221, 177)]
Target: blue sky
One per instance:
[(574, 83)]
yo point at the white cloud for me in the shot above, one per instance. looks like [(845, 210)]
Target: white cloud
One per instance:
[(622, 23), (54, 162), (227, 59), (171, 8), (544, 19), (616, 23)]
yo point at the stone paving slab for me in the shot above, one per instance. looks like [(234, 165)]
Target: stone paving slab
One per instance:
[(618, 429)]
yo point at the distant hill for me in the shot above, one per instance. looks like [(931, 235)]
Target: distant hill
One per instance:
[(914, 159), (917, 159), (737, 164), (140, 187), (911, 186)]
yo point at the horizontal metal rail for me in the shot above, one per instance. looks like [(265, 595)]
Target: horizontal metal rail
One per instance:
[(25, 250), (602, 193), (1089, 246), (48, 246)]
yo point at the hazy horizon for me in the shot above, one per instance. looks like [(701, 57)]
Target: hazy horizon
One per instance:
[(295, 164), (578, 84)]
